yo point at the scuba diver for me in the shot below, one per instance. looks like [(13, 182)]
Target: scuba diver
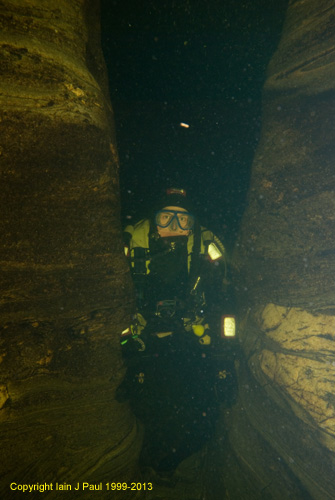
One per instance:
[(179, 369)]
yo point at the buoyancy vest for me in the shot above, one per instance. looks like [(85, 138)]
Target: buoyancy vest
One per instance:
[(138, 238)]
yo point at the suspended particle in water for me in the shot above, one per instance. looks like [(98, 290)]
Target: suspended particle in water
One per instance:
[(184, 125)]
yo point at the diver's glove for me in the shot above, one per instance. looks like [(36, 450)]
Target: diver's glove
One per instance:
[(200, 330), (130, 337)]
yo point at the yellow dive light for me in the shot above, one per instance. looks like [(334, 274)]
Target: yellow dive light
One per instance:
[(228, 326), (214, 252)]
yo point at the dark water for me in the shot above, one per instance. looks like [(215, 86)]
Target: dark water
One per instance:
[(202, 63), (185, 83), (174, 389)]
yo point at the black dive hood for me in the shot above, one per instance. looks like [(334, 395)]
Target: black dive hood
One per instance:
[(174, 197)]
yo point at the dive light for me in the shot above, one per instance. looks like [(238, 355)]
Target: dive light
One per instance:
[(214, 252), (228, 326)]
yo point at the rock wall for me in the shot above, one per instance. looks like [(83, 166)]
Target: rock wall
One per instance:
[(64, 284), (285, 259)]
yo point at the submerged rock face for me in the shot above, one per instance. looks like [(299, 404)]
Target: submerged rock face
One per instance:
[(64, 285), (286, 260)]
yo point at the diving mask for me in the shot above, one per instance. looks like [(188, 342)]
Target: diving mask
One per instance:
[(174, 219)]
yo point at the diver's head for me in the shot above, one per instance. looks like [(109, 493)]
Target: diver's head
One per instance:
[(173, 217)]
